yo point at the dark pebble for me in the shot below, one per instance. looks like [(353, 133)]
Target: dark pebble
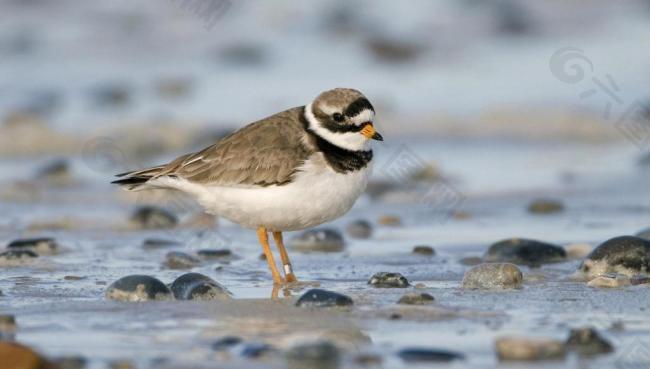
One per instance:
[(138, 288), (628, 255), (111, 95), (316, 355), (41, 246), (180, 260), (368, 360), (251, 55), (214, 253), (196, 286), (55, 173), (424, 250), (151, 217), (388, 280), (318, 240), (16, 256), (545, 206), (416, 299), (157, 243), (359, 229), (256, 350), (225, 343), (71, 362), (430, 355), (525, 252), (322, 298), (587, 341)]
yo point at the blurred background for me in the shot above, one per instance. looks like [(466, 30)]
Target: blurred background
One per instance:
[(497, 95), (161, 75), (501, 119)]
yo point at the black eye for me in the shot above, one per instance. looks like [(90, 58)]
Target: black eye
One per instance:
[(338, 117)]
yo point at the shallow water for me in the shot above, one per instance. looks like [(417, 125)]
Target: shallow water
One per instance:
[(72, 317)]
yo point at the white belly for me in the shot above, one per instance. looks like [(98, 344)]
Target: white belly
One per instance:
[(318, 194)]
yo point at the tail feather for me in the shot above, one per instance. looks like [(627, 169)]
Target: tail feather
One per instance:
[(137, 179)]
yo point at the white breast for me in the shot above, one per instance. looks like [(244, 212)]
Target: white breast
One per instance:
[(316, 195)]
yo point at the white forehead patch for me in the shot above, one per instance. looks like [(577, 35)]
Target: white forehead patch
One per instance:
[(329, 110)]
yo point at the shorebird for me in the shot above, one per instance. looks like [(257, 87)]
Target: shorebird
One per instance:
[(293, 170)]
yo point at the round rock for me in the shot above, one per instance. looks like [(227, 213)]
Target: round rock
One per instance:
[(628, 255), (529, 349), (416, 299), (323, 298), (418, 354), (134, 288), (316, 355), (318, 240), (180, 260), (17, 257), (210, 254), (151, 217), (424, 250), (388, 280), (493, 276), (587, 341), (157, 243), (256, 350), (525, 252), (41, 246), (545, 206), (225, 343), (196, 286), (359, 229)]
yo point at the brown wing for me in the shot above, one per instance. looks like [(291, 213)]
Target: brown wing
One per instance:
[(263, 153)]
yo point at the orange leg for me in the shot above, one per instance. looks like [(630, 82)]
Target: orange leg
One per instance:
[(288, 272), (264, 240)]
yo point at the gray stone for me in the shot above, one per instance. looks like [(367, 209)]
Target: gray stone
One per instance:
[(419, 354), (196, 286), (322, 298), (424, 250), (256, 350), (359, 229), (627, 255), (318, 240), (17, 257), (493, 276), (416, 299), (210, 254), (315, 355), (180, 260), (388, 280), (545, 206), (529, 349), (587, 341), (136, 287), (40, 246), (525, 252), (151, 217), (157, 243)]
